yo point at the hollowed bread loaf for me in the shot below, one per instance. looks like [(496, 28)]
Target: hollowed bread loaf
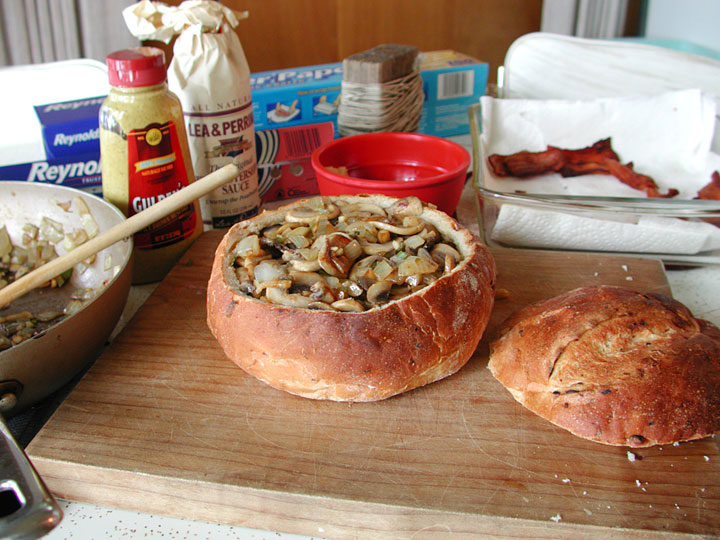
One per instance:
[(614, 366), (365, 338)]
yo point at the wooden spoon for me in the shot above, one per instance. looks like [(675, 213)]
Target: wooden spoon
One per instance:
[(127, 228)]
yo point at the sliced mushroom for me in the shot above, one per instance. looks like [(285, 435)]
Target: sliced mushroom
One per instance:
[(320, 305), (363, 272), (282, 283), (302, 265), (332, 256), (306, 214), (362, 230), (352, 288), (245, 283), (281, 297), (271, 231), (446, 255), (322, 291), (379, 292), (431, 235), (362, 208), (415, 265), (409, 206), (376, 249), (411, 225), (348, 305), (304, 280)]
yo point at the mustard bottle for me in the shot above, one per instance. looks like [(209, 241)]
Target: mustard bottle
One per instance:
[(145, 157)]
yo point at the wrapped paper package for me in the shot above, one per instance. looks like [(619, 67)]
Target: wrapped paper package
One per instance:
[(211, 76)]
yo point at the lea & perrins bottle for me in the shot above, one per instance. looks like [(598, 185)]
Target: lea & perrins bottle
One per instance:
[(145, 157)]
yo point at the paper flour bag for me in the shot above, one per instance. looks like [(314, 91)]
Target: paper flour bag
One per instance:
[(210, 75)]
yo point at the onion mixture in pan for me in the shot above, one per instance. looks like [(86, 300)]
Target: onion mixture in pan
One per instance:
[(340, 256), (38, 246)]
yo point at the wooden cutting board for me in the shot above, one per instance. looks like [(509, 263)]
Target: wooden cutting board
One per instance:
[(164, 423)]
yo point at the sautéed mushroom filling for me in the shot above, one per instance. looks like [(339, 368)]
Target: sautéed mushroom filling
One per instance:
[(343, 256)]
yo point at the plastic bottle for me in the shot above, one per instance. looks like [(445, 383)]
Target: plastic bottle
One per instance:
[(145, 157)]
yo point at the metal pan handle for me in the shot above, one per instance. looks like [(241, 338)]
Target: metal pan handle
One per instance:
[(27, 509)]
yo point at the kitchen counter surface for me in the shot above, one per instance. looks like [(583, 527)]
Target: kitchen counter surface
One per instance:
[(698, 288)]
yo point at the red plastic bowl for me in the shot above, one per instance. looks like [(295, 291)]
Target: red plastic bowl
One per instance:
[(395, 164)]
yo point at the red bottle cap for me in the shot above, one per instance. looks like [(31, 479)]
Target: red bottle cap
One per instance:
[(140, 66)]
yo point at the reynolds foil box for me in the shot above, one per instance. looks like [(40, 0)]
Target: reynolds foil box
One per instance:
[(70, 127), (81, 171), (452, 81), (71, 147)]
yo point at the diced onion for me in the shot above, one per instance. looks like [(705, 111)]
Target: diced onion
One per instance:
[(416, 265), (248, 246)]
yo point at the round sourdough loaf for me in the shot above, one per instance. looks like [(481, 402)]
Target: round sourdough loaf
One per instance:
[(354, 356), (614, 366)]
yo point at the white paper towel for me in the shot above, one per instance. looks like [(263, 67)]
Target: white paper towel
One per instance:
[(531, 227)]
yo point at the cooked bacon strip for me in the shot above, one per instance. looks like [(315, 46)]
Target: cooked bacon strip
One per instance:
[(628, 176), (598, 158), (711, 192), (526, 164)]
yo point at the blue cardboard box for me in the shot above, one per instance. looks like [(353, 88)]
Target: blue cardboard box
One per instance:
[(70, 127), (296, 96), (71, 142), (452, 81)]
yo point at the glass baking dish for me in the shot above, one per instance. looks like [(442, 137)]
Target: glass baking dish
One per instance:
[(679, 232)]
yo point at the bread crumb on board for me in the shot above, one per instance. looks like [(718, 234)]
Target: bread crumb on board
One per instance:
[(631, 456), (556, 518), (502, 294)]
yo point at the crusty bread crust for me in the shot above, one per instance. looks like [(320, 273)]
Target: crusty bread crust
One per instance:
[(614, 366), (364, 356)]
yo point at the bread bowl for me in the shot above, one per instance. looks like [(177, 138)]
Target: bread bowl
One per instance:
[(324, 347), (614, 366)]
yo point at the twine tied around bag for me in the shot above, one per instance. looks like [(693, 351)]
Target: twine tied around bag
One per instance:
[(390, 106), (381, 90)]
